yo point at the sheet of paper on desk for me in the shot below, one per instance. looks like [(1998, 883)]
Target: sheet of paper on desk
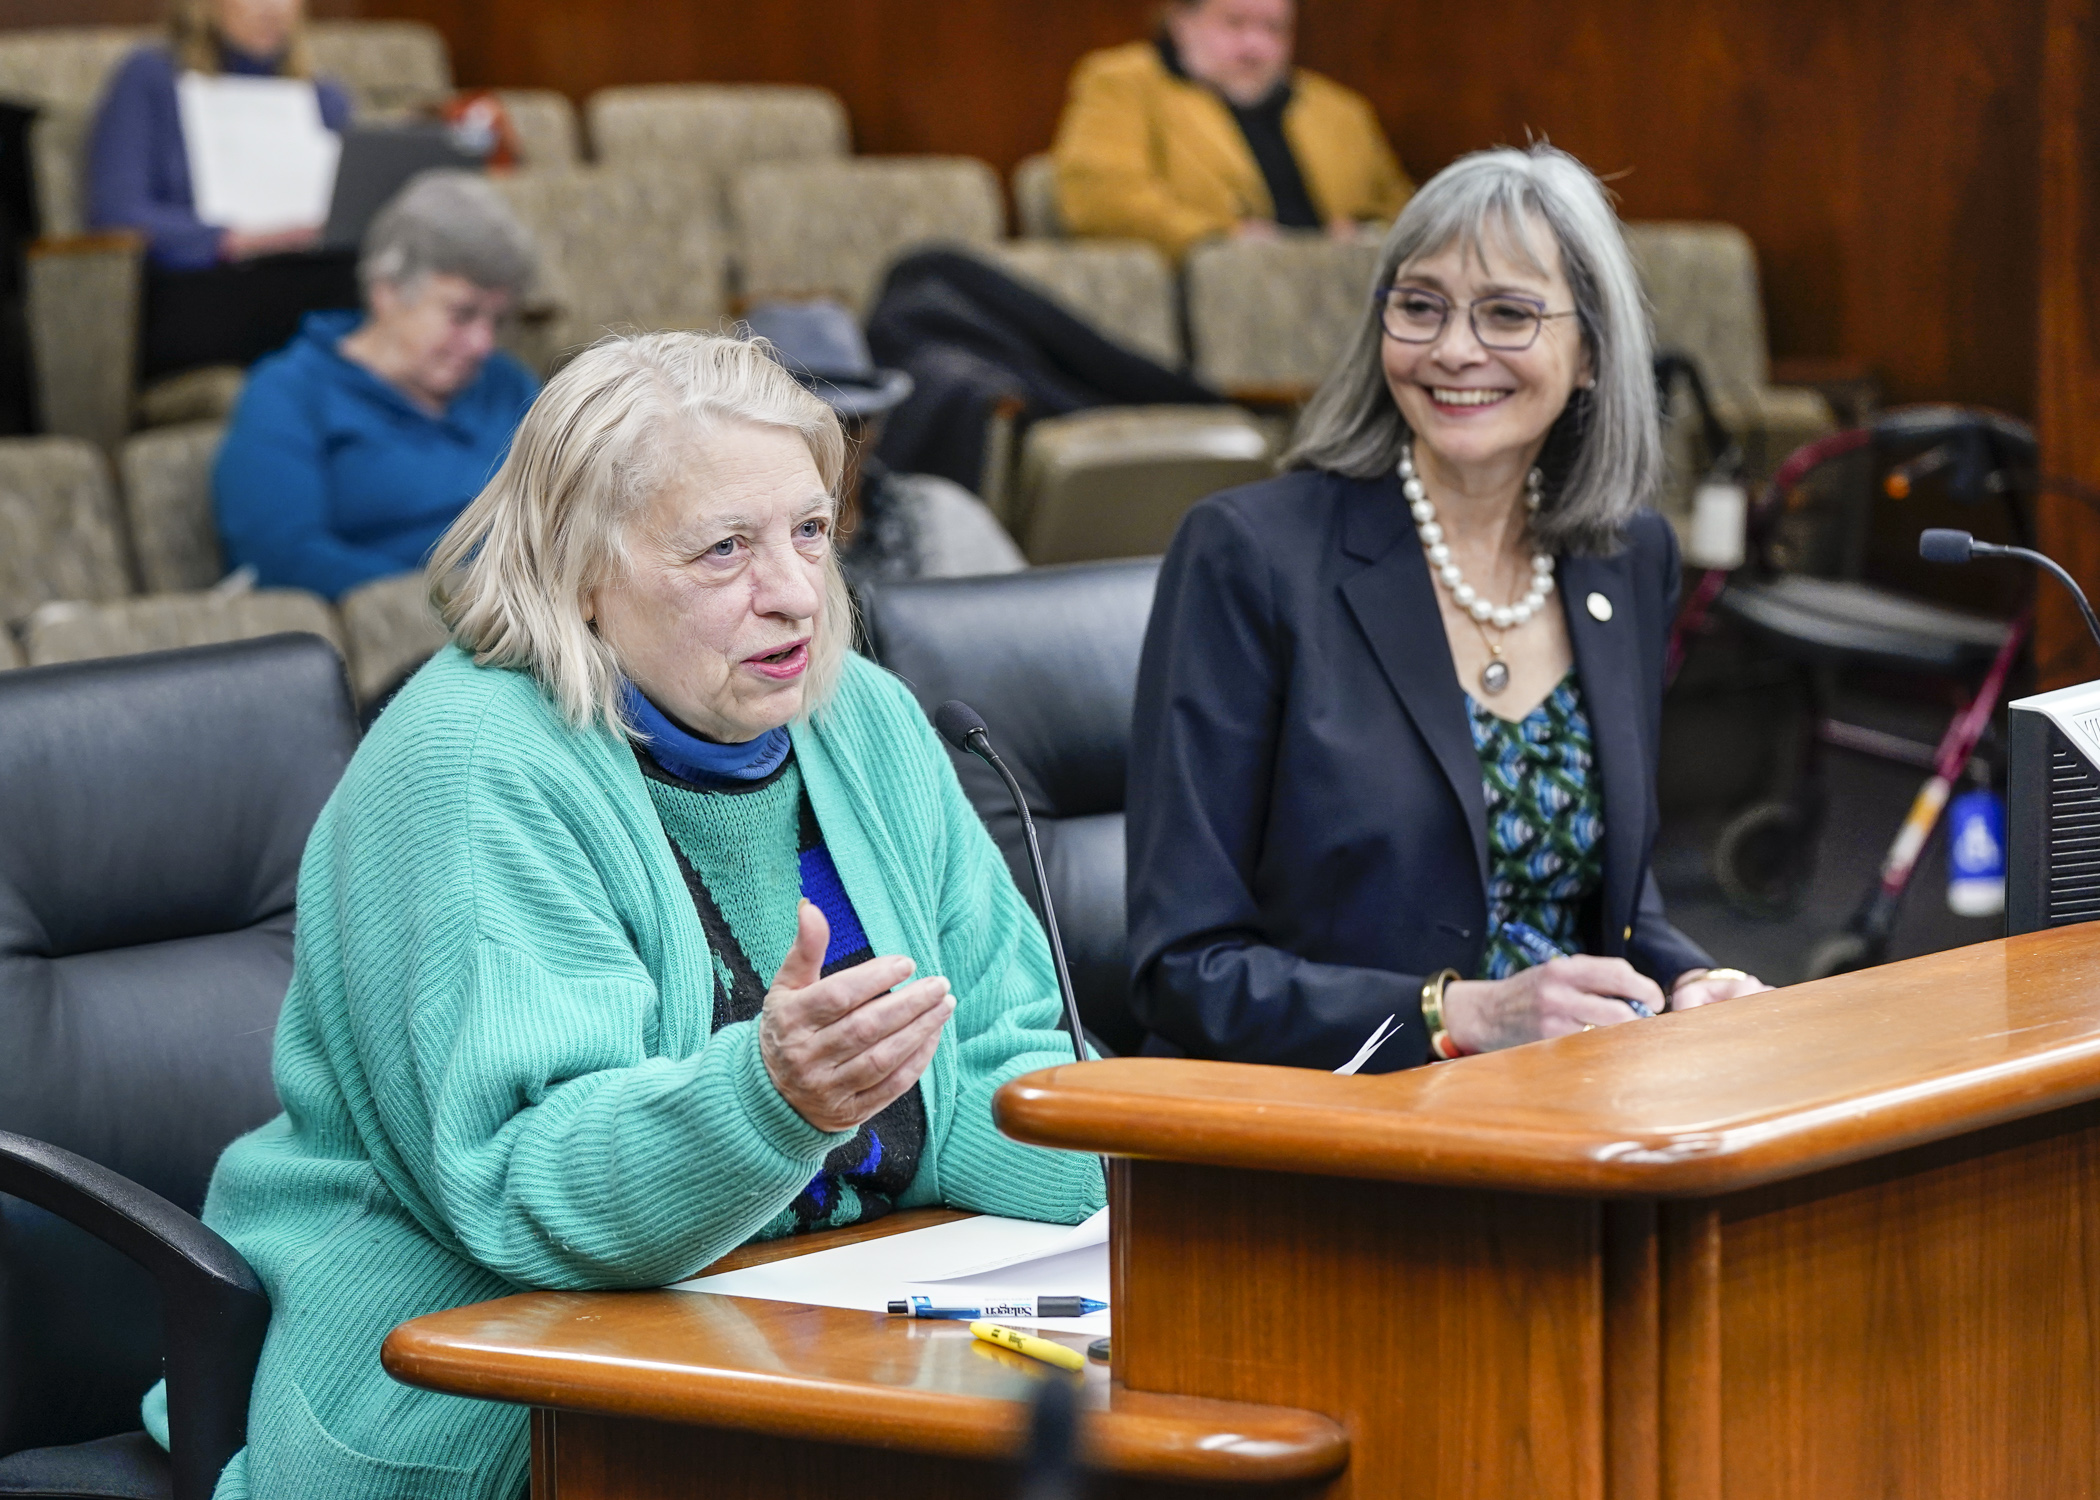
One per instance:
[(968, 1258)]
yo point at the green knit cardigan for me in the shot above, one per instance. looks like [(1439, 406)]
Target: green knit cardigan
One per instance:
[(497, 1070)]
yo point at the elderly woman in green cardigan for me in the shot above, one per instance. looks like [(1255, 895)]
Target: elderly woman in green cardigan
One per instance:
[(531, 1039)]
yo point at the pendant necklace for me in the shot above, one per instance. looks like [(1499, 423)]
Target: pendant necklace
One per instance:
[(1494, 677)]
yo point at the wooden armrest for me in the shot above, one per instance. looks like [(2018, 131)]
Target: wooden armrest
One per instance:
[(102, 242), (1279, 394)]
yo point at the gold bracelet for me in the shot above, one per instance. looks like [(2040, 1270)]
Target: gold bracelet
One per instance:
[(1440, 1043)]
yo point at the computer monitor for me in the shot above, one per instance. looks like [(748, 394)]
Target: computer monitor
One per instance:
[(2053, 810), (377, 162)]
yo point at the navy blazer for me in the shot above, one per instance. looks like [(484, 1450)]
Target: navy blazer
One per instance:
[(1307, 830)]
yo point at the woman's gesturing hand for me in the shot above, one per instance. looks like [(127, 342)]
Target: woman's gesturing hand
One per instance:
[(840, 1048), (1551, 999)]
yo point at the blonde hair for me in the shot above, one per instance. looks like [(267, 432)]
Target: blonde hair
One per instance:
[(513, 575), (194, 40)]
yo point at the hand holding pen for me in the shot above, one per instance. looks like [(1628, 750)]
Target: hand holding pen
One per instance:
[(1563, 994), (1540, 949)]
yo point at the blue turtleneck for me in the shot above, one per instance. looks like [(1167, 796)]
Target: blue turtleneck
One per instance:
[(688, 756)]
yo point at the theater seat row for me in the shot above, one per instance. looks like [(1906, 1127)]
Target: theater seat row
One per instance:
[(91, 569)]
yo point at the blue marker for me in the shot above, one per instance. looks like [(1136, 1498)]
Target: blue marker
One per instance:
[(1541, 949), (1010, 1307)]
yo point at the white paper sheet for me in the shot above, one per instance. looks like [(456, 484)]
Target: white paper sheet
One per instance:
[(259, 156), (1387, 1030), (980, 1256)]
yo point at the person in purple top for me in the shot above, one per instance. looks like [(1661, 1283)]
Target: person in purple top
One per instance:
[(213, 295), (355, 446)]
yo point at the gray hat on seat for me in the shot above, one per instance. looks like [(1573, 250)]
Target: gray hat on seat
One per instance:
[(822, 346)]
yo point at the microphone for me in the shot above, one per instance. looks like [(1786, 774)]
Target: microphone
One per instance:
[(1941, 544), (961, 726)]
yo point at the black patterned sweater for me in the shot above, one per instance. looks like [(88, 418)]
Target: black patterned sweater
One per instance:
[(749, 850)]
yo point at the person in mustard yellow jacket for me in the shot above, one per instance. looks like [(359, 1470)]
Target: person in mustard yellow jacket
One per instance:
[(1208, 130)]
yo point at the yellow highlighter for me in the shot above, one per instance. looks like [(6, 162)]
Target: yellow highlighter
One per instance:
[(1021, 1343)]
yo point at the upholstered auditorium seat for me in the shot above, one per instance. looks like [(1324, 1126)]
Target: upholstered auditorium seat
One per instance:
[(166, 474), (152, 815), (387, 66), (82, 294), (831, 228), (61, 70), (391, 628), (384, 627), (1116, 481), (64, 583), (60, 535), (1702, 281), (1049, 658), (1268, 318), (620, 248), (1034, 185), (549, 137), (1111, 482), (707, 132), (68, 631), (1123, 288), (390, 67)]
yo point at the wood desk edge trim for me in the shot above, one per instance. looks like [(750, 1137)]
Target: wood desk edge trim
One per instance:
[(1143, 1438), (1283, 1136)]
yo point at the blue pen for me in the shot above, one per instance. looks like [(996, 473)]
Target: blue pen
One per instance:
[(1009, 1307), (1541, 949)]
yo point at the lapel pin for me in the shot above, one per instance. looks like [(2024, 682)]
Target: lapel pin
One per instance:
[(1599, 607)]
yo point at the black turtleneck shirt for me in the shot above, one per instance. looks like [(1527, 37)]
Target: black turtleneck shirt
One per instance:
[(1262, 124)]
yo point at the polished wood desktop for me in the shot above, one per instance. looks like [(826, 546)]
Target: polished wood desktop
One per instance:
[(1837, 1241)]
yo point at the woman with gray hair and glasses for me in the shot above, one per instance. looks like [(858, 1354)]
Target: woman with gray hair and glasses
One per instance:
[(649, 920), (1398, 710), (355, 446)]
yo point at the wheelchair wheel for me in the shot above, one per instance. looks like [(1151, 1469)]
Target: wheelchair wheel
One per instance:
[(1763, 859), (1841, 954)]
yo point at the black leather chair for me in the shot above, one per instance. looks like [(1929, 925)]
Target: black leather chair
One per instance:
[(1049, 658), (153, 810)]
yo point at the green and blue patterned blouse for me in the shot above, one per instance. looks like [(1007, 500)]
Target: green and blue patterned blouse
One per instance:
[(1545, 822)]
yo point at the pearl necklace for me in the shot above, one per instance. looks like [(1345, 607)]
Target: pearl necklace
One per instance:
[(1494, 677)]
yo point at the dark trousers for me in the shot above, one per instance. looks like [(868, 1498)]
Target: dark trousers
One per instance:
[(236, 313)]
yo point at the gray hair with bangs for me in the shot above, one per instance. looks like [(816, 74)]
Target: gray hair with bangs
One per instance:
[(514, 574), (1603, 456)]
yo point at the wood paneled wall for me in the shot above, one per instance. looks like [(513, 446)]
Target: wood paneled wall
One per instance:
[(2069, 329), (1883, 154)]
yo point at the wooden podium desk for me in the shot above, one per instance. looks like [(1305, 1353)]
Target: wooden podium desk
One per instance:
[(1837, 1241)]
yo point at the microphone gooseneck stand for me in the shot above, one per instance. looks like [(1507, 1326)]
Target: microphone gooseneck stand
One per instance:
[(963, 727), (960, 725), (1943, 544)]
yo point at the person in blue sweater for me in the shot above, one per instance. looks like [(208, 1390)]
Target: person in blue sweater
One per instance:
[(354, 447), (212, 295)]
